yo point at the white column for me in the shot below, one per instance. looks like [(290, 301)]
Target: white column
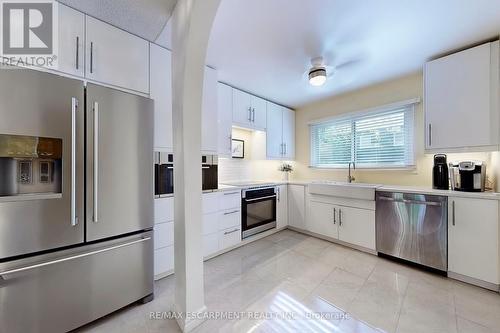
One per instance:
[(192, 23)]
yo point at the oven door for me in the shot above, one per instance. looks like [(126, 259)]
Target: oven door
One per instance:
[(166, 180), (258, 213)]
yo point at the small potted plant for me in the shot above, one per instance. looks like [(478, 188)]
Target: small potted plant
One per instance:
[(286, 168)]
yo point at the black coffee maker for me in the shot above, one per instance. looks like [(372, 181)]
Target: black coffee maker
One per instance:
[(440, 175)]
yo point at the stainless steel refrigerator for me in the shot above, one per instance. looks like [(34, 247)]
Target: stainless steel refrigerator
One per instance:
[(76, 201)]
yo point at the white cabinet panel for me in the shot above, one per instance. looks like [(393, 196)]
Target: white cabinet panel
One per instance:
[(282, 209), (473, 248), (274, 137), (225, 117), (230, 200), (116, 57), (296, 206), (242, 108), (164, 210), (356, 226), (209, 137), (289, 133), (230, 219), (164, 260), (210, 223), (71, 57), (210, 244), (210, 202), (161, 93), (461, 99), (229, 238), (164, 235), (322, 219), (259, 109)]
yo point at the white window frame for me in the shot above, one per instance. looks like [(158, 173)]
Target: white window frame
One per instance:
[(357, 114)]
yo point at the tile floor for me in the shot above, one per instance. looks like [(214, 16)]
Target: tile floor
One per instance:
[(307, 284)]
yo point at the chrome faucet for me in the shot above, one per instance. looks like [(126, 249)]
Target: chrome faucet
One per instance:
[(351, 178)]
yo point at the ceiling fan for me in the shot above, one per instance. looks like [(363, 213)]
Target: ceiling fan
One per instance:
[(319, 73)]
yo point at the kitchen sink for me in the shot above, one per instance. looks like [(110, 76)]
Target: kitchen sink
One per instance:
[(359, 191)]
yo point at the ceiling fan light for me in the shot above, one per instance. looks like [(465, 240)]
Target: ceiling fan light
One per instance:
[(317, 77)]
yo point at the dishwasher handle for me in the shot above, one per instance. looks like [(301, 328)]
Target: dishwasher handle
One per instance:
[(411, 202)]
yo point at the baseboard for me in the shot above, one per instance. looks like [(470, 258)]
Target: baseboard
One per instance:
[(333, 240), (473, 281), (191, 323)]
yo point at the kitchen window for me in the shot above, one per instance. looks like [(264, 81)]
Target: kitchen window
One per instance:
[(381, 138)]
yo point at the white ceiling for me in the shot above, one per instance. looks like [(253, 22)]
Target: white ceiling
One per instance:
[(265, 46), (144, 18)]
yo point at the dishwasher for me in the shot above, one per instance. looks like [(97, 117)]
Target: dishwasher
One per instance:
[(413, 227)]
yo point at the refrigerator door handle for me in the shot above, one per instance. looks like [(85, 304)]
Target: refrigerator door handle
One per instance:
[(4, 275), (96, 162), (74, 107)]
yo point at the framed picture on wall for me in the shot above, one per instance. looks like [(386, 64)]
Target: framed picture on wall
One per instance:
[(238, 148)]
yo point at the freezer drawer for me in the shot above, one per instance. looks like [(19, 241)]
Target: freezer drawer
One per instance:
[(65, 290), (413, 227)]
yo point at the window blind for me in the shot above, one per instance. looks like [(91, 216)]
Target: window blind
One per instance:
[(378, 139)]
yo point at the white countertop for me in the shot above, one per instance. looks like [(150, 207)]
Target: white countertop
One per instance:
[(378, 187)]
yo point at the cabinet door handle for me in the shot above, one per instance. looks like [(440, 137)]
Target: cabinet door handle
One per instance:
[(453, 213), (253, 115), (430, 135), (231, 213), (340, 217), (77, 52), (91, 57), (335, 216), (231, 193), (231, 232), (278, 193), (285, 148), (249, 114)]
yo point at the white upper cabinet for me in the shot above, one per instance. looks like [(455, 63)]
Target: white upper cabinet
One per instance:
[(249, 111), (274, 136), (209, 124), (225, 117), (116, 57), (280, 132), (71, 57), (289, 133), (461, 99), (161, 93), (473, 245)]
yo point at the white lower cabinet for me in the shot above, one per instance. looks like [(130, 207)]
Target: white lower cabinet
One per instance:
[(322, 219), (164, 261), (282, 207), (473, 246), (352, 222), (297, 206), (210, 244), (229, 237), (230, 219), (357, 226), (164, 235)]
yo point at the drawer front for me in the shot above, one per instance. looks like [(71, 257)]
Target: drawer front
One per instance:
[(210, 223), (230, 219), (230, 200), (210, 244), (164, 235), (164, 260), (164, 210), (210, 202), (229, 238), (56, 297)]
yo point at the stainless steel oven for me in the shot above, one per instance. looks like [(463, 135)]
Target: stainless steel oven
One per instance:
[(258, 210), (164, 174)]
